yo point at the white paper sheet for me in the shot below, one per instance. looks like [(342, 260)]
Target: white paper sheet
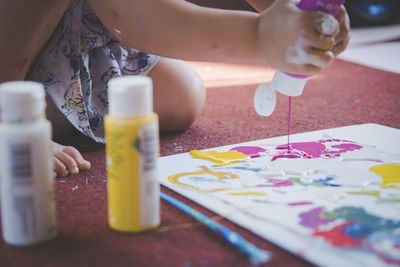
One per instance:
[(324, 200)]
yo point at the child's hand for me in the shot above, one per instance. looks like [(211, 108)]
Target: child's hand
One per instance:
[(298, 41), (68, 160)]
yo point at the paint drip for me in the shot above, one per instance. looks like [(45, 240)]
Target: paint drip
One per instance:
[(288, 124)]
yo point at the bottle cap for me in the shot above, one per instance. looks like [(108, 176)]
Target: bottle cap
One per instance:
[(264, 100), (130, 96), (288, 84), (22, 101)]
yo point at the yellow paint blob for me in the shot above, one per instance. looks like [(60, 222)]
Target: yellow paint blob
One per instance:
[(223, 158), (390, 174), (366, 192), (248, 194), (204, 170)]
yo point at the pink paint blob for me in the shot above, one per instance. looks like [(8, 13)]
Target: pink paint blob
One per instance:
[(252, 151), (316, 149)]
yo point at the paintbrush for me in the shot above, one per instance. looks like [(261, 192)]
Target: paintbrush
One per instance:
[(256, 255)]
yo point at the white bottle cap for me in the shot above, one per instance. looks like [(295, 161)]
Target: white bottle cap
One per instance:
[(130, 96), (288, 85), (22, 101), (264, 100)]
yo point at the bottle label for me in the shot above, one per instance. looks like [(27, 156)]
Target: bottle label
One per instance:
[(24, 207), (21, 174), (148, 143), (21, 164), (27, 199)]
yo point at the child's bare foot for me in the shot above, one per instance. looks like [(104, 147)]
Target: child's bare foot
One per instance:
[(68, 160)]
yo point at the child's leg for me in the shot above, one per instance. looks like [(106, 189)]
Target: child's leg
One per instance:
[(25, 26), (179, 94)]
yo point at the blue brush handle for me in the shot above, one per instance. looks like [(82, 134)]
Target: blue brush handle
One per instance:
[(257, 256)]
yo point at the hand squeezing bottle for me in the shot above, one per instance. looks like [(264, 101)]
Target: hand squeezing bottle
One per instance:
[(287, 83)]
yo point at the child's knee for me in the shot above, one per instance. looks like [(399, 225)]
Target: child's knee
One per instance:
[(194, 99), (189, 98), (179, 94)]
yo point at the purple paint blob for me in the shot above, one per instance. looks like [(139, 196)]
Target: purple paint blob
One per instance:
[(312, 219), (252, 151)]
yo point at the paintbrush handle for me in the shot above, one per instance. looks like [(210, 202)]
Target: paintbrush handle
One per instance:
[(257, 255)]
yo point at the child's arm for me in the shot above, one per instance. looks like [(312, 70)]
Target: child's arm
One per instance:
[(25, 27), (178, 29)]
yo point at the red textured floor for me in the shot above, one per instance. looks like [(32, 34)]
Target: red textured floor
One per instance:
[(345, 94)]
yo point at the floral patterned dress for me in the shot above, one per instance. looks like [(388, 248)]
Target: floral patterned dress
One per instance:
[(78, 61)]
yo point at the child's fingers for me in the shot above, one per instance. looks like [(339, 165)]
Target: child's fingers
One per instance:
[(314, 61), (77, 156), (60, 168), (343, 38), (68, 161), (320, 58), (343, 34), (320, 42), (340, 47), (310, 69), (304, 53), (341, 15)]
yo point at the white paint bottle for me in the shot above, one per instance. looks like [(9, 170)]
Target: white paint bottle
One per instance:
[(26, 165)]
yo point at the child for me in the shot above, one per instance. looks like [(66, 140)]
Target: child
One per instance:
[(74, 47)]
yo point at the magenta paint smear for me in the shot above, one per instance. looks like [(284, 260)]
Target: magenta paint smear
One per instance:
[(312, 218), (300, 203), (318, 149), (252, 151), (276, 183)]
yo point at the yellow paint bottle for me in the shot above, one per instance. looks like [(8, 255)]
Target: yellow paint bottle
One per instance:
[(132, 150)]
